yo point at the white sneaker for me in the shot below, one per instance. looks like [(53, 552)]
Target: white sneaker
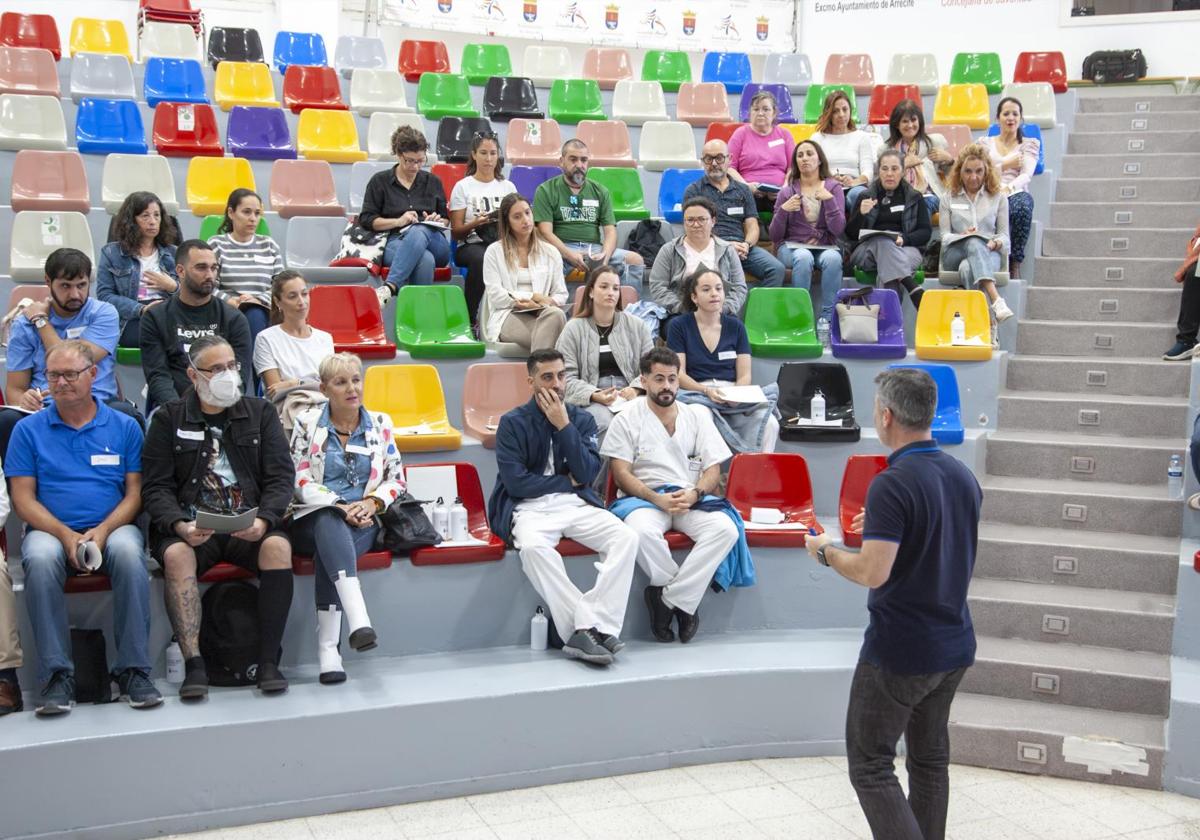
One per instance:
[(1003, 313), (1193, 501), (384, 293)]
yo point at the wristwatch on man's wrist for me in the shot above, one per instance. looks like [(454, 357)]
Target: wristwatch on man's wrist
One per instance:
[(821, 558), (40, 321)]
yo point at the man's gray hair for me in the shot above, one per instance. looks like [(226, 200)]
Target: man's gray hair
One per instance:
[(910, 394), (72, 345), (203, 343), (573, 143)]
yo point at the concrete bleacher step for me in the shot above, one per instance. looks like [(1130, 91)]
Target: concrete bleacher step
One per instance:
[(1136, 102), (1096, 375), (1094, 338), (1148, 214), (1117, 272), (1116, 242), (1093, 415), (1054, 454), (1124, 509), (1102, 304), (1179, 120), (1074, 615), (1139, 164), (990, 732), (1134, 142), (1071, 675), (1127, 189), (1077, 558)]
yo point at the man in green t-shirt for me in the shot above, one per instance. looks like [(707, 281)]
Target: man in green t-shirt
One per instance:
[(575, 215)]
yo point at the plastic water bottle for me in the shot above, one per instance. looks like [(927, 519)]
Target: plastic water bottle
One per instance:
[(958, 329), (816, 408), (458, 521), (539, 630), (174, 659), (1175, 477), (823, 331), (441, 518)]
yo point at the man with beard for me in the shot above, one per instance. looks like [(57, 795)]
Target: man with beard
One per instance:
[(546, 454), (193, 312), (67, 313), (575, 215), (669, 456), (215, 450)]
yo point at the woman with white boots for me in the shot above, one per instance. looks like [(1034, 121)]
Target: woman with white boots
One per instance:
[(348, 469)]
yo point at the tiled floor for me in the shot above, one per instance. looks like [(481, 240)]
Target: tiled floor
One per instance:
[(792, 798)]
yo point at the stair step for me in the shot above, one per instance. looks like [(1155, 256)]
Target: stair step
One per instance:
[(1077, 558), (1132, 142), (1115, 242), (1131, 164), (1135, 122), (1059, 303), (1097, 375), (1078, 457), (1094, 338), (1135, 102), (1085, 506), (1122, 214), (1072, 675), (1135, 190), (1117, 272), (989, 731), (1131, 621)]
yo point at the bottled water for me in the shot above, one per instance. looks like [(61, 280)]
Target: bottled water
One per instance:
[(816, 408), (958, 329), (539, 630), (823, 331), (1175, 477)]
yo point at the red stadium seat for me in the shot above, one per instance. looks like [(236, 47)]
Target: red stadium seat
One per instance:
[(886, 97), (38, 31), (471, 493), (417, 57), (186, 130), (860, 470), (778, 481), (368, 562), (449, 174), (1042, 67), (312, 87), (79, 584), (721, 130), (351, 314), (226, 571)]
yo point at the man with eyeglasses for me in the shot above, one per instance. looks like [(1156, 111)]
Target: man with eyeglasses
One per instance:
[(218, 451), (76, 475), (193, 312), (737, 214)]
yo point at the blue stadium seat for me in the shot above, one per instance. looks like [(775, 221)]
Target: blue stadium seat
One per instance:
[(306, 48), (947, 418), (1029, 130), (670, 192), (731, 69), (174, 80), (104, 126)]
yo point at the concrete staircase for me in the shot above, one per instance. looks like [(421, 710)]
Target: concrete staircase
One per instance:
[(1074, 590)]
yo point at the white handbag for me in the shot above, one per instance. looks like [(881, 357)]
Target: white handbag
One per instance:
[(858, 321)]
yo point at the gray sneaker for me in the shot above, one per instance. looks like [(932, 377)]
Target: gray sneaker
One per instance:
[(612, 642), (137, 689), (586, 645)]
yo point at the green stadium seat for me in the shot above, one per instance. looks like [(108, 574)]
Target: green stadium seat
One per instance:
[(482, 61), (625, 184), (814, 101), (432, 323), (572, 100), (978, 68), (670, 68), (208, 227), (780, 323), (444, 95)]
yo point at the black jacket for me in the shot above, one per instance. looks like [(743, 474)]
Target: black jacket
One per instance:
[(164, 357), (174, 460), (914, 220)]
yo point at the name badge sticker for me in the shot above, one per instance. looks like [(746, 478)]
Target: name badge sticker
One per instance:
[(188, 434), (106, 460), (897, 208), (727, 355), (736, 211), (75, 332), (604, 348), (591, 202), (963, 207), (771, 144), (355, 449)]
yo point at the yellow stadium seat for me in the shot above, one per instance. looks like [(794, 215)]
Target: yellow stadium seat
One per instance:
[(328, 135), (964, 104), (799, 131), (244, 83), (412, 395), (210, 180), (933, 325), (93, 35)]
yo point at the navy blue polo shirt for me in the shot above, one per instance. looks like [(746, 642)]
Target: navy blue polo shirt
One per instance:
[(928, 503), (80, 473), (735, 204)]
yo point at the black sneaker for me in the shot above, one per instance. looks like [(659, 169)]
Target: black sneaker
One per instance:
[(1180, 352), (586, 645), (688, 624), (58, 695), (660, 614), (270, 680), (137, 689), (614, 644), (195, 680)]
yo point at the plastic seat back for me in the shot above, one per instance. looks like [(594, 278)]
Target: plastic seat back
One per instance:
[(360, 174), (101, 75), (670, 68), (304, 188), (666, 145), (799, 131), (933, 325), (978, 68), (886, 97), (536, 142), (31, 122), (174, 80), (383, 125), (312, 87), (702, 103), (28, 71), (572, 100), (891, 343), (124, 174), (799, 381), (962, 103), (780, 322), (814, 101), (956, 136), (449, 174), (234, 43), (544, 64), (31, 31), (209, 226), (491, 547), (168, 40), (729, 69), (313, 243), (1042, 67), (355, 52), (94, 35), (351, 315), (210, 180), (1037, 102), (328, 135), (374, 90), (244, 83), (432, 323), (454, 137), (636, 103), (721, 131), (852, 498), (629, 203), (186, 130), (490, 390), (783, 101), (35, 293), (918, 69), (607, 65), (854, 69), (45, 180), (412, 395), (506, 97), (37, 233), (629, 295), (776, 480), (793, 70), (444, 95), (1029, 130), (417, 57), (104, 126), (259, 134), (306, 48), (671, 188), (528, 178), (482, 61), (947, 425)]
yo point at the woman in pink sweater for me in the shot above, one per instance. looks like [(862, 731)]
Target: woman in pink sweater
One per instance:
[(760, 151)]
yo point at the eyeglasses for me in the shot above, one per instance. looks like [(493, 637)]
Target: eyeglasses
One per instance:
[(715, 158), (696, 221), (407, 161), (236, 367), (65, 375)]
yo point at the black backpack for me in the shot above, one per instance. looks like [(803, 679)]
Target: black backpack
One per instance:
[(646, 239), (1108, 66), (229, 636), (93, 684)]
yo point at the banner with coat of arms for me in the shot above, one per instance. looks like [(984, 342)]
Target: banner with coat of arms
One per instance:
[(760, 26)]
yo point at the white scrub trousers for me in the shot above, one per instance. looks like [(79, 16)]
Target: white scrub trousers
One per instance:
[(714, 534)]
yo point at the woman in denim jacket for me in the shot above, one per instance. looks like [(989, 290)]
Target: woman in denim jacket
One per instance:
[(137, 269)]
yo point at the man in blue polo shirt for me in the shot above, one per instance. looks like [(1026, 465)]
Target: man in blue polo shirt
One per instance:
[(76, 473), (919, 530)]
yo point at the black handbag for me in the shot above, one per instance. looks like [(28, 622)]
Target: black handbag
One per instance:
[(1107, 66), (404, 526)]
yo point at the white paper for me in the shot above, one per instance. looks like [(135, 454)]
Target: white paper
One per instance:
[(224, 523), (795, 245), (435, 225), (766, 515), (782, 526), (747, 394), (428, 484), (970, 341), (461, 339), (458, 543), (867, 234), (620, 404), (805, 421), (419, 429)]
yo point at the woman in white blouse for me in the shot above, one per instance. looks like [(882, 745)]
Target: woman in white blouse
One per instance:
[(849, 150), (1015, 156), (524, 291), (291, 351)]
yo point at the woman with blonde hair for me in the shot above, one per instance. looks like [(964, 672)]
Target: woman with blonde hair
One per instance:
[(849, 150)]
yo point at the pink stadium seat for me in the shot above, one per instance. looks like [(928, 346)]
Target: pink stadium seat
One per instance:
[(607, 65), (607, 142), (489, 390), (702, 103), (851, 69), (28, 71), (533, 143), (45, 180), (304, 188), (956, 136)]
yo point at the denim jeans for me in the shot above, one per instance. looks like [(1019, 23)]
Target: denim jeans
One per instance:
[(334, 546), (46, 572), (972, 259), (759, 263), (412, 255), (884, 706), (257, 318), (854, 196), (802, 261), (631, 275)]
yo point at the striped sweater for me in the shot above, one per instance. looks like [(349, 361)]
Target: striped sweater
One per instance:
[(246, 268)]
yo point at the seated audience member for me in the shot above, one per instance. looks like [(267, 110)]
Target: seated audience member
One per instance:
[(667, 456), (547, 459), (926, 158), (575, 215), (601, 347), (76, 474), (680, 257), (246, 261), (137, 269), (523, 282), (810, 215), (892, 205), (849, 150), (66, 313), (713, 351), (288, 354), (1188, 322), (10, 642), (398, 200), (1015, 156), (474, 210), (348, 470), (974, 226), (217, 451), (191, 313), (759, 152), (737, 214)]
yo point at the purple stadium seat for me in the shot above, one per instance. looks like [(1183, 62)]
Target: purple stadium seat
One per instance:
[(891, 330), (527, 178), (259, 134), (782, 97)]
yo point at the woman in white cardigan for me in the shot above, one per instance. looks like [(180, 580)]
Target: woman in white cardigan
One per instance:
[(524, 291)]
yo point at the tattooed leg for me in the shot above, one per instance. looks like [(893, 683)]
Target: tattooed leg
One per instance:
[(183, 598)]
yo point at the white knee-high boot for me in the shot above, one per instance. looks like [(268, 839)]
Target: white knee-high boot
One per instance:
[(329, 634), (362, 636)]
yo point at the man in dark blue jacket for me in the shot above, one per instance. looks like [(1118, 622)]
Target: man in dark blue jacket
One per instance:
[(548, 458)]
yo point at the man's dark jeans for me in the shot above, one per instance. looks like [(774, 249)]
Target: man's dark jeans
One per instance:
[(884, 706)]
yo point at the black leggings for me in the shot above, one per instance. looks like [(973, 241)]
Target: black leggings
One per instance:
[(470, 257)]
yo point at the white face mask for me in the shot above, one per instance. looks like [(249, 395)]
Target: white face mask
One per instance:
[(222, 390)]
